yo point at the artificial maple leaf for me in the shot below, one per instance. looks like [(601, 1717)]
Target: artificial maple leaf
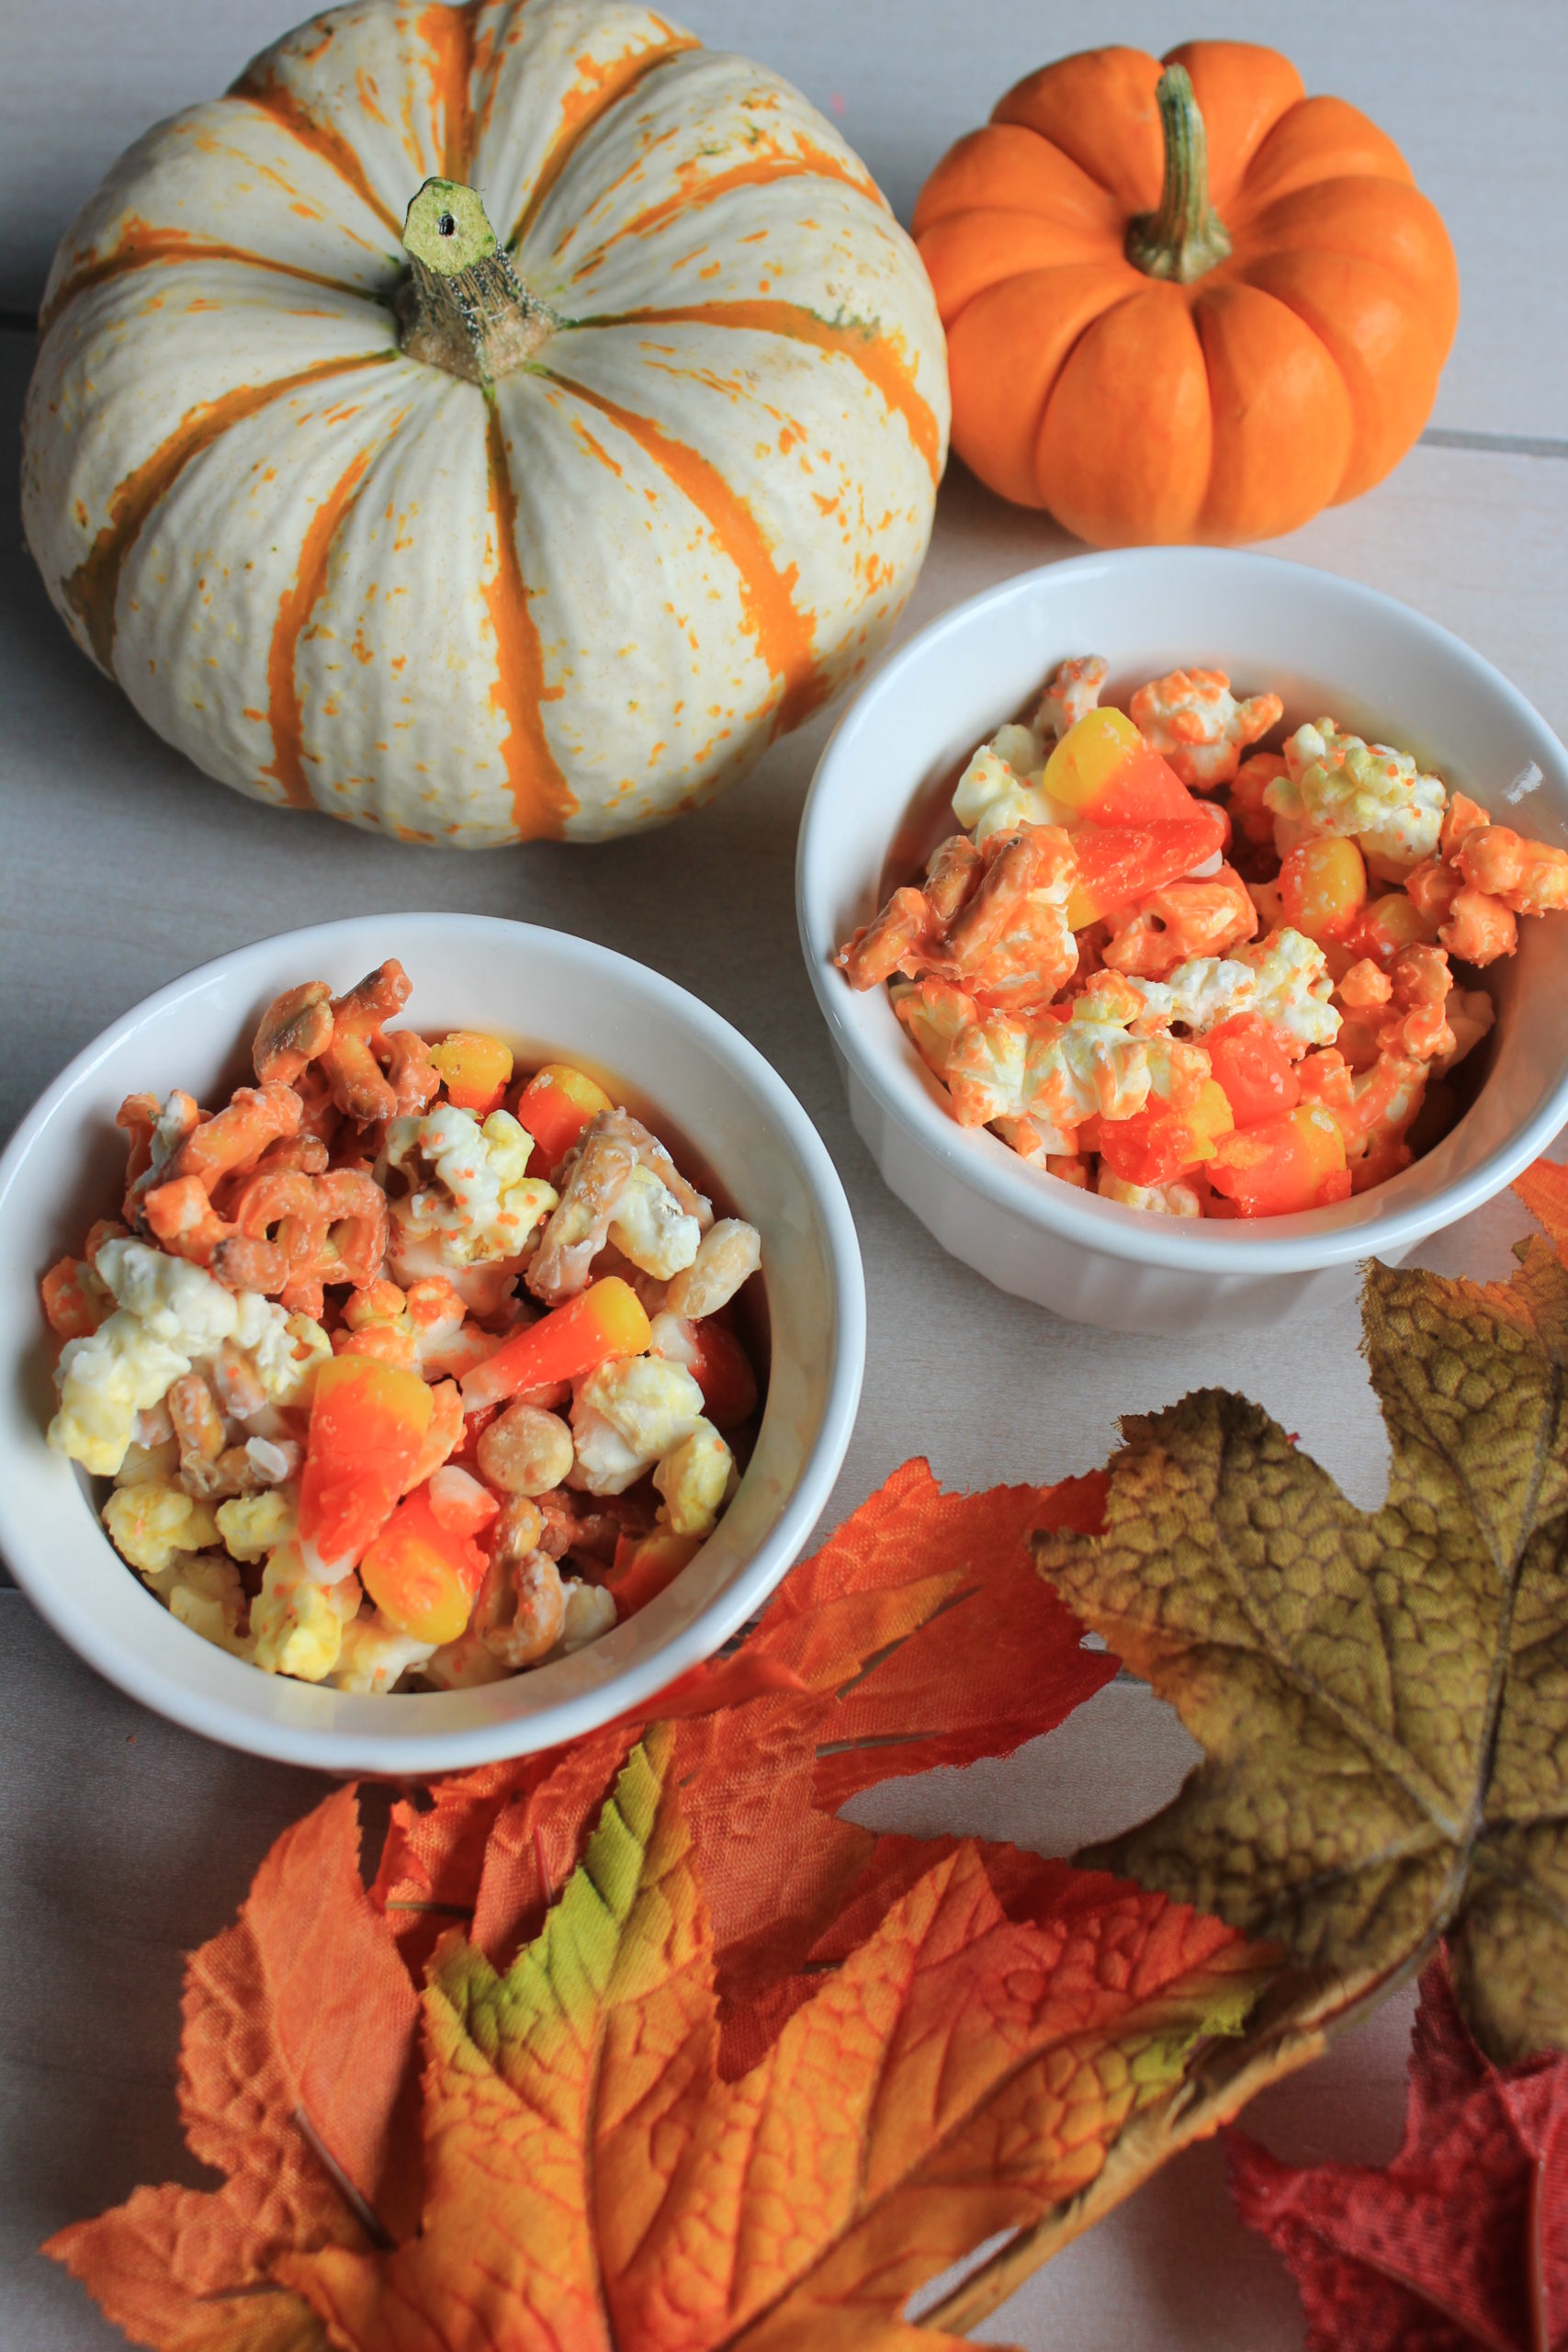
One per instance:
[(1462, 2240), (293, 2069), (1382, 1696), (592, 2181), (804, 1895), (916, 1636)]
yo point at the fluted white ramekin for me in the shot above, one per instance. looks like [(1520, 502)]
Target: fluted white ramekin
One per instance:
[(1324, 645)]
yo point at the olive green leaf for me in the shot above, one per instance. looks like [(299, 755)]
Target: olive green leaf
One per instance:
[(1382, 1696)]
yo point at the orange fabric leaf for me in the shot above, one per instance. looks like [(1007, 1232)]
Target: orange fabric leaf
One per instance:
[(294, 2069), (891, 1630), (881, 1652), (593, 2182), (1543, 1188)]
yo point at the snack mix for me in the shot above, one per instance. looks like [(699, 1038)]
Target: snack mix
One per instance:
[(1200, 980), (405, 1374)]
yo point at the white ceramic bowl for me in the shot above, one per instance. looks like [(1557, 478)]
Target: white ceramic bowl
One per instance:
[(550, 995), (1324, 645)]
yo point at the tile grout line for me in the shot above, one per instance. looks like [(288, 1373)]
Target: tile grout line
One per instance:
[(1507, 445)]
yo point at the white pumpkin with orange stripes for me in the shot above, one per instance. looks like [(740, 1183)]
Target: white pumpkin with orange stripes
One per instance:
[(470, 545)]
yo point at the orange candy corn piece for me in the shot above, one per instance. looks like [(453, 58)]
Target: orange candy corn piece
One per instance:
[(369, 1421), (423, 1573), (554, 1106), (607, 1319)]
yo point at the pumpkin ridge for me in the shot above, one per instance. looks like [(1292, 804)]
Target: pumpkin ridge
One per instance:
[(784, 636), (142, 247), (1379, 444), (295, 607), (1231, 426), (93, 589), (616, 83), (806, 162), (861, 340), (273, 97), (1391, 207), (542, 801), (448, 36)]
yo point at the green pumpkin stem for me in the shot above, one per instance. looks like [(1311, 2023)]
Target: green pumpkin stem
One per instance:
[(463, 307), (1186, 236)]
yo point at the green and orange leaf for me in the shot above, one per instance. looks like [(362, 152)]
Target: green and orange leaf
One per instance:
[(593, 2180), (880, 1655)]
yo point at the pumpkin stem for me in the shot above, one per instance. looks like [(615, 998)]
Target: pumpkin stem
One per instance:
[(1186, 236), (462, 306)]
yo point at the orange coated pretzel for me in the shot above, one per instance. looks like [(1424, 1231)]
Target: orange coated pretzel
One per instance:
[(349, 1062), (295, 1028), (294, 1233), (304, 1155), (252, 1257), (236, 1138), (1012, 937), (181, 1218), (412, 1074), (138, 1115), (356, 1210), (319, 1117), (143, 1117), (1184, 919)]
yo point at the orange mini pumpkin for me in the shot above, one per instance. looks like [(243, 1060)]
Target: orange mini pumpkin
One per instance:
[(1188, 303)]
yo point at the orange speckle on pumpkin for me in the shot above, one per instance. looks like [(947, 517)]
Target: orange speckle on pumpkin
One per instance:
[(542, 799), (294, 609), (601, 85), (769, 162), (879, 358), (259, 85), (92, 590), (595, 448)]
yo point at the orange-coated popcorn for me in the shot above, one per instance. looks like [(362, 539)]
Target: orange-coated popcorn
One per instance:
[(1530, 877), (1193, 717), (1072, 691), (1094, 948), (1184, 920)]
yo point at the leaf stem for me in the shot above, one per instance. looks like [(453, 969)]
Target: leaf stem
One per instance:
[(1194, 2111), (364, 2213), (1293, 2026)]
